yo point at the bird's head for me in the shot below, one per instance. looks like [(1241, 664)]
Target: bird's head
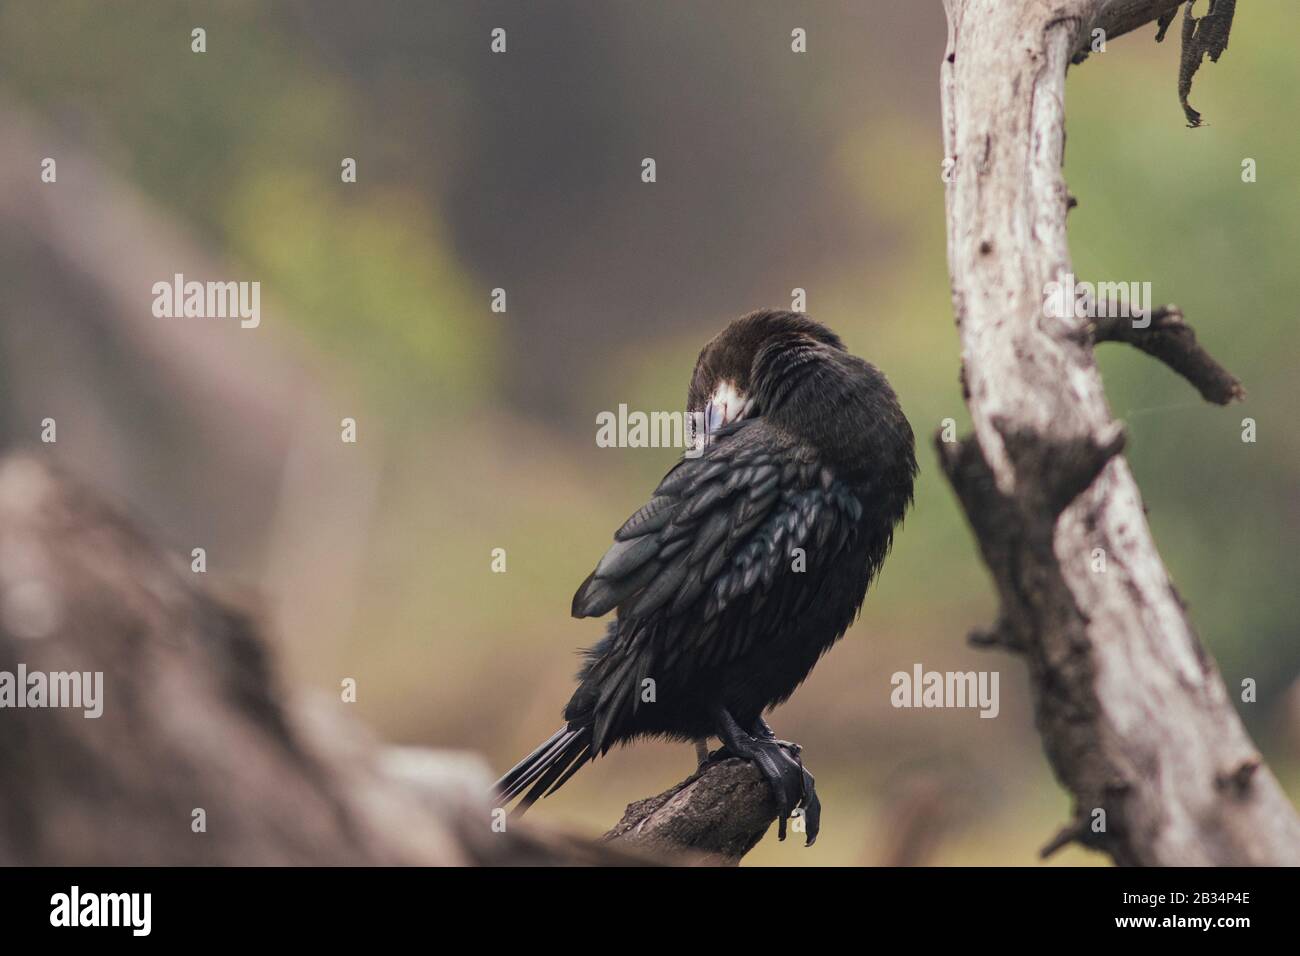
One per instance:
[(739, 370)]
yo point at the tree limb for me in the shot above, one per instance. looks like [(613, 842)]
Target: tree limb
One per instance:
[(716, 815), (1124, 16), (1172, 341), (1206, 36), (1135, 719)]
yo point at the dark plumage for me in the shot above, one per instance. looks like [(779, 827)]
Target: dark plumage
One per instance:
[(807, 449)]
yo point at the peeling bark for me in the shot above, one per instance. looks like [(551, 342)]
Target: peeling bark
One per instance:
[(1201, 37), (1134, 716), (1206, 36)]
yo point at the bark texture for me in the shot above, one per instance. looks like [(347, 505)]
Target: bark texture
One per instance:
[(715, 816), (1134, 716)]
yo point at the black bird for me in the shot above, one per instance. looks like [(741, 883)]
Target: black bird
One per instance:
[(748, 562)]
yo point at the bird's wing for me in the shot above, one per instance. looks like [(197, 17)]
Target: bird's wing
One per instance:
[(718, 533)]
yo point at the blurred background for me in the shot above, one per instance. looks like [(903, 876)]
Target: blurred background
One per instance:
[(476, 430)]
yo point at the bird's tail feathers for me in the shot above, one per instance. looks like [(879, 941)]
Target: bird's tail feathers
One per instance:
[(547, 768)]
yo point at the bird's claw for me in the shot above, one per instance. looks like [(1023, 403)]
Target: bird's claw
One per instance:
[(793, 787), (811, 806)]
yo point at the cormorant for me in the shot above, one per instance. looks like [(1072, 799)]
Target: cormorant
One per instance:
[(748, 562)]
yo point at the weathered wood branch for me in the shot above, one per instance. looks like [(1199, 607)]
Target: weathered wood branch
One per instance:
[(1201, 37), (715, 816), (1172, 341), (1124, 16), (1135, 719)]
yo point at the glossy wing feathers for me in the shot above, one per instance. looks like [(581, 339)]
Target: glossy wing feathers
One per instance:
[(717, 528)]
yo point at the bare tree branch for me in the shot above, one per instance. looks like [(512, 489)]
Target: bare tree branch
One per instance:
[(1134, 717), (1206, 36), (1172, 341), (716, 815), (1124, 16)]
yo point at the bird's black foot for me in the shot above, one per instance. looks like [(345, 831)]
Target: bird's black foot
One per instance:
[(811, 806), (762, 731), (780, 762)]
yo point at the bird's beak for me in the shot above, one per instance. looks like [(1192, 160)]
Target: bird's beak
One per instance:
[(727, 405), (715, 416)]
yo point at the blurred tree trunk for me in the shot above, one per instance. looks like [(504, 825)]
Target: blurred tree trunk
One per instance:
[(199, 755)]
